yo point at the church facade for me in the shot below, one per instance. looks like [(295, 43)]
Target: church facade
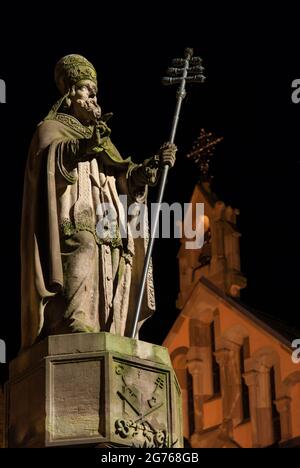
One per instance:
[(240, 386)]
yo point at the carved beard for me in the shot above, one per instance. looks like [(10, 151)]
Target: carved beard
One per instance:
[(93, 111)]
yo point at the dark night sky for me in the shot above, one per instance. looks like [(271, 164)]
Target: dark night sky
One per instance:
[(250, 65)]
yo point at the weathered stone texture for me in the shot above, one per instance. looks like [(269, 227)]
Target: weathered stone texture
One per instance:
[(93, 389)]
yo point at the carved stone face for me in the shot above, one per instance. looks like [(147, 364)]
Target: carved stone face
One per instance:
[(84, 102)]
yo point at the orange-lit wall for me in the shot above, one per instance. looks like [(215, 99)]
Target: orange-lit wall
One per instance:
[(228, 319)]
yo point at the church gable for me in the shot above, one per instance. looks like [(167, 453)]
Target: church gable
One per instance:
[(239, 368)]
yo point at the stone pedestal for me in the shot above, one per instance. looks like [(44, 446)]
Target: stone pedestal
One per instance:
[(93, 389)]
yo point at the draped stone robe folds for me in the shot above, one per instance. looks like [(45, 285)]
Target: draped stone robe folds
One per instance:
[(74, 280)]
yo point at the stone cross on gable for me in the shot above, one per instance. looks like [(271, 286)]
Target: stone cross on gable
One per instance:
[(202, 151)]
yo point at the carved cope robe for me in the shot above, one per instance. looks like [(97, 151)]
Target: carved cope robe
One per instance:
[(72, 279)]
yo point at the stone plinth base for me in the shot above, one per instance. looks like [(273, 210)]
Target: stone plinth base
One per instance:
[(93, 389)]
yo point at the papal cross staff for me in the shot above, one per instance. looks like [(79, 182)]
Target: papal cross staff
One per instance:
[(184, 70)]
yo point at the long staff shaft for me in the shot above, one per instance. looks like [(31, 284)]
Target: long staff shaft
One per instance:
[(180, 96)]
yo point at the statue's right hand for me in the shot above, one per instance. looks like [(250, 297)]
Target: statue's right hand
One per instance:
[(93, 143), (96, 136)]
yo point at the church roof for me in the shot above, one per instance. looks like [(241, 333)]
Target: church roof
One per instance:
[(277, 328)]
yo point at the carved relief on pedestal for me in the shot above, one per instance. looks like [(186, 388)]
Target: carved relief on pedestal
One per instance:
[(141, 399)]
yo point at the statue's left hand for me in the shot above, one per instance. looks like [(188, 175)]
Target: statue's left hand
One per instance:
[(148, 172), (167, 154)]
